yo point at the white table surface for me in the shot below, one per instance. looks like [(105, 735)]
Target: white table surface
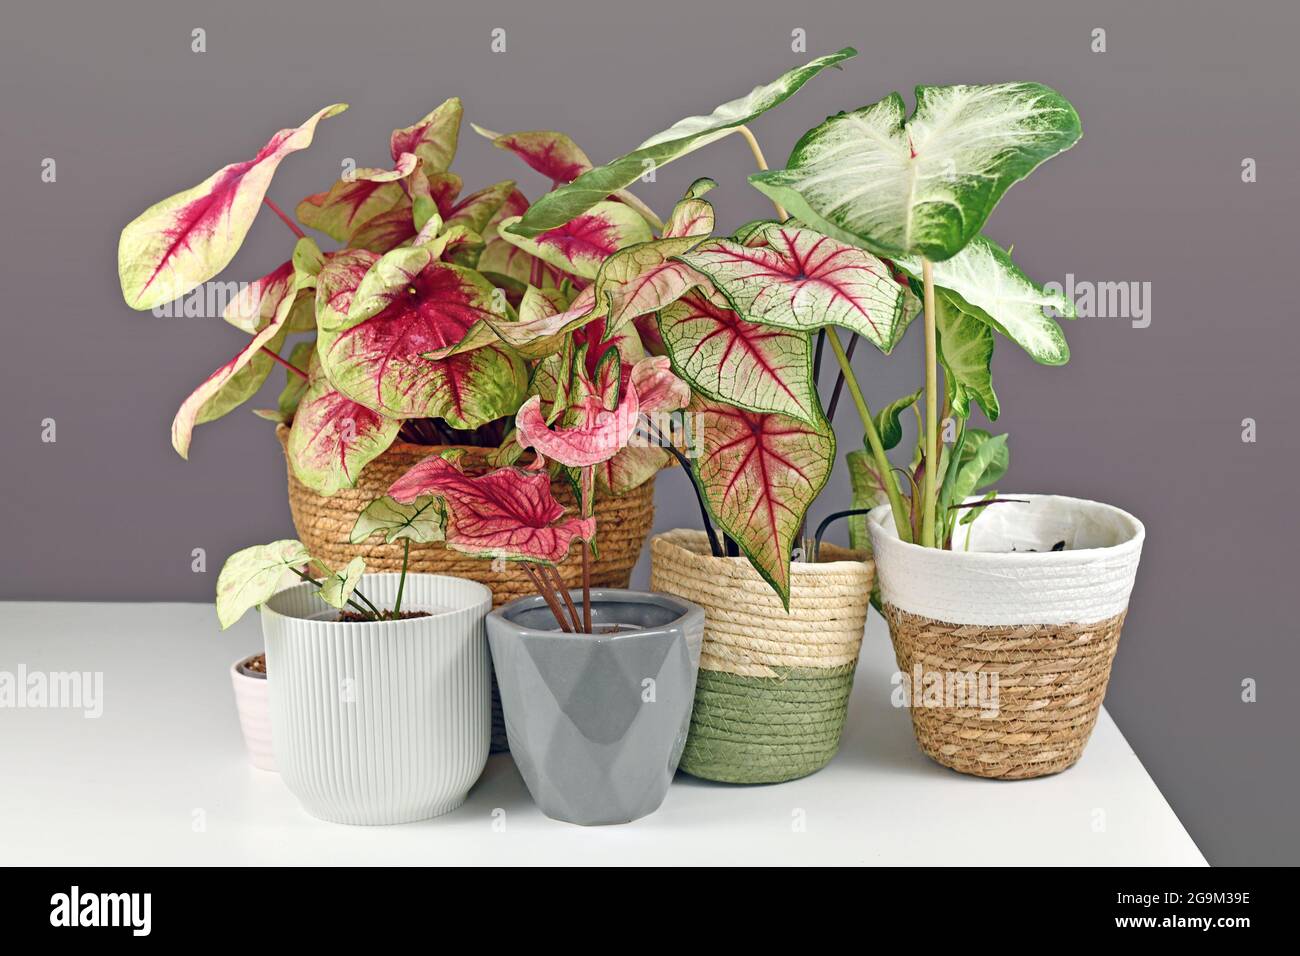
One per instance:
[(161, 778)]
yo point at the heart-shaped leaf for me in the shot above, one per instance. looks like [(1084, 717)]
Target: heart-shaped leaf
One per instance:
[(630, 468), (983, 282), (965, 347), (922, 185), (757, 367), (759, 474), (421, 520), (580, 245), (336, 589), (333, 437), (181, 242), (509, 513), (250, 577), (433, 138), (594, 185), (800, 279), (376, 328)]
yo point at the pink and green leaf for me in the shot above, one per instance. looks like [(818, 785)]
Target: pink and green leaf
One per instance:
[(554, 155), (598, 434), (759, 475), (353, 203), (434, 138), (756, 367), (582, 244), (476, 210), (644, 278), (509, 513), (803, 280), (693, 216), (186, 239), (333, 437)]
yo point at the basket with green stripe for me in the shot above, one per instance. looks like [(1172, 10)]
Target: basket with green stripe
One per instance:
[(773, 686)]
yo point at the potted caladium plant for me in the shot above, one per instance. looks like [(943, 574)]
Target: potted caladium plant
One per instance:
[(432, 318), (380, 708), (1031, 588), (596, 685)]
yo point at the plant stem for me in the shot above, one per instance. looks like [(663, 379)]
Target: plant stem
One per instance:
[(289, 365), (930, 486), (357, 592), (762, 164), (545, 591), (285, 219), (401, 582), (588, 506), (682, 460), (558, 582), (887, 476)]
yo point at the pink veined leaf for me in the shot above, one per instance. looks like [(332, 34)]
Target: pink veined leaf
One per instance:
[(554, 155), (181, 242), (432, 194), (477, 209), (433, 139), (509, 513), (586, 241), (333, 437), (759, 474), (631, 468), (537, 333), (376, 328), (236, 381), (756, 367), (690, 217), (625, 342), (256, 304), (657, 388), (352, 205), (803, 280), (597, 435), (644, 278)]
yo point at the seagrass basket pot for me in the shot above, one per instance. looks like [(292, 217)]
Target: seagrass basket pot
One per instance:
[(324, 523), (773, 687), (1031, 631)]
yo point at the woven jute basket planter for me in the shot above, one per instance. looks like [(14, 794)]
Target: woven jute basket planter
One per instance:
[(1007, 647), (773, 686), (622, 523)]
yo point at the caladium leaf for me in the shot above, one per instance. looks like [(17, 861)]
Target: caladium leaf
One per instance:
[(657, 388), (983, 282), (420, 520), (554, 155), (237, 380), (250, 577), (580, 245), (965, 347), (644, 278), (432, 194), (594, 185), (181, 242), (476, 210), (353, 203), (385, 232), (512, 268), (803, 280), (336, 589), (509, 513), (333, 437), (537, 332), (254, 308), (759, 474), (755, 367), (693, 216), (295, 386), (597, 434), (888, 426), (631, 468), (516, 204), (433, 139), (922, 185), (376, 328), (867, 492)]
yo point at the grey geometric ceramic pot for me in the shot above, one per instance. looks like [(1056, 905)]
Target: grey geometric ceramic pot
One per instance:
[(597, 723)]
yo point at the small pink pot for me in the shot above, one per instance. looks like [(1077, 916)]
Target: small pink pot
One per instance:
[(253, 701)]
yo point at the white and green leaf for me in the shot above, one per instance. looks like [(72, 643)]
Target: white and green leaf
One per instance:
[(336, 590), (250, 577)]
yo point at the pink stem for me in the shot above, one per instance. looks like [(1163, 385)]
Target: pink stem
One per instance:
[(289, 365), (287, 221)]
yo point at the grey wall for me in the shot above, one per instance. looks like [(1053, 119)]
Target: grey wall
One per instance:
[(1147, 418)]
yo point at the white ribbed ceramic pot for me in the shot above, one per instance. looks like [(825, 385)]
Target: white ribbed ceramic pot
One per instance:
[(381, 722), (253, 701), (1029, 631)]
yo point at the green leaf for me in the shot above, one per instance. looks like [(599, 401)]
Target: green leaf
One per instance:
[(866, 493), (965, 347), (922, 185), (888, 426), (336, 590), (595, 185), (983, 282), (984, 459), (249, 577), (422, 521)]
